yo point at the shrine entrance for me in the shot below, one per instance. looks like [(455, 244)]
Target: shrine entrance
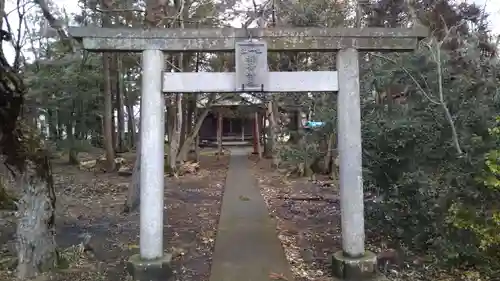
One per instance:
[(252, 75)]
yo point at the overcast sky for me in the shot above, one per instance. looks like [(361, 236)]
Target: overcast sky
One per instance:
[(492, 7)]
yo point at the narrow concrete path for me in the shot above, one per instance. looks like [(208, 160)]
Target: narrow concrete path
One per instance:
[(247, 246)]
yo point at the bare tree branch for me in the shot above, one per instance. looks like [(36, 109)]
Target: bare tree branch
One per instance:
[(17, 38), (436, 49), (58, 25), (407, 72)]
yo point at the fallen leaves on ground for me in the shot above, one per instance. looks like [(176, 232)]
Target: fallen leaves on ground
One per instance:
[(90, 202), (308, 229)]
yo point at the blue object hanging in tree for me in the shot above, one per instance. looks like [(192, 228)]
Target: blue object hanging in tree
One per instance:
[(314, 124)]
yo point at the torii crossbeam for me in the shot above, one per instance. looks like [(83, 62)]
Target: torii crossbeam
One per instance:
[(306, 39)]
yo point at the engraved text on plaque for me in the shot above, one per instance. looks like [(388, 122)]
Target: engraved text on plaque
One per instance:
[(251, 66)]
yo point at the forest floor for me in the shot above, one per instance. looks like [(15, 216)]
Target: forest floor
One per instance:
[(92, 203), (308, 219), (307, 212)]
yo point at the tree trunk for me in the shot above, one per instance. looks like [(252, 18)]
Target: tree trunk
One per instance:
[(195, 131), (51, 123), (114, 91), (194, 134), (273, 133), (60, 125), (2, 12), (169, 117), (176, 133), (267, 150), (258, 126), (190, 109), (108, 104), (130, 119), (108, 116), (219, 134), (328, 159), (120, 104), (7, 201), (196, 128), (293, 127), (197, 147), (134, 190), (72, 152), (76, 119), (36, 245), (185, 124)]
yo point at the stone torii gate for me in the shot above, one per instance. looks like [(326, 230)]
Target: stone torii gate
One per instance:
[(353, 262)]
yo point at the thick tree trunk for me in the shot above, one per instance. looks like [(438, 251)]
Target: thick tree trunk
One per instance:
[(187, 128), (35, 233), (108, 104), (36, 245), (108, 116)]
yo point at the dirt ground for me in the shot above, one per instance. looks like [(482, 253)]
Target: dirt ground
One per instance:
[(308, 225), (92, 203)]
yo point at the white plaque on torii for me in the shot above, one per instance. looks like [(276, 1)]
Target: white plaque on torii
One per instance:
[(251, 66)]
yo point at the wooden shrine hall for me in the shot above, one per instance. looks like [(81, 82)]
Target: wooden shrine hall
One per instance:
[(240, 119)]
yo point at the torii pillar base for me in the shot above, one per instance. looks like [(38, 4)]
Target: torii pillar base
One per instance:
[(355, 269), (150, 270)]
